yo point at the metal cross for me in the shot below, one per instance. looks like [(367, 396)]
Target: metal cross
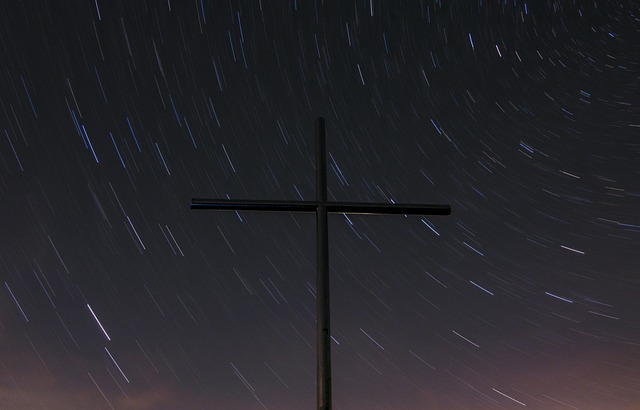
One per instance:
[(321, 206)]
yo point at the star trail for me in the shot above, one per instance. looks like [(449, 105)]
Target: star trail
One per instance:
[(524, 116)]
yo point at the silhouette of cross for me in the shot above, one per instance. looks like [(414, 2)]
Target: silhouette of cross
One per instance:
[(322, 207)]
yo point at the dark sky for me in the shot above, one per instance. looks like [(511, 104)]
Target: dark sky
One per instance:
[(525, 117)]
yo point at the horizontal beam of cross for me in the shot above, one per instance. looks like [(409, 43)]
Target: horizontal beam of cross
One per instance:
[(312, 206)]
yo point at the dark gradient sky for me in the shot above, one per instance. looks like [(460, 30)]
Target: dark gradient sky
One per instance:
[(525, 117)]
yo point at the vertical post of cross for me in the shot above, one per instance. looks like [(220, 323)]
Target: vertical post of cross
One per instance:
[(323, 325)]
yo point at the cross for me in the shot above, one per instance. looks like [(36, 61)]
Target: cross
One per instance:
[(322, 207)]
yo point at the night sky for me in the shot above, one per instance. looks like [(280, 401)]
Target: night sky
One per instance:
[(524, 117)]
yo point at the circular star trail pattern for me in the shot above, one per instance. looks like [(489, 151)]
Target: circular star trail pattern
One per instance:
[(523, 116)]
